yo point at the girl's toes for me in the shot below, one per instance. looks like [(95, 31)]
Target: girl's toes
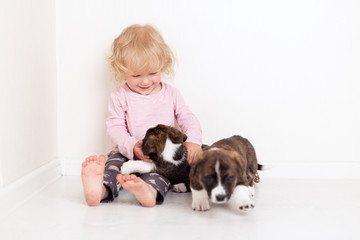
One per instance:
[(102, 159), (84, 164)]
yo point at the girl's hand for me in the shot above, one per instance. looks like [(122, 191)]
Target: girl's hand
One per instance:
[(138, 153), (192, 150)]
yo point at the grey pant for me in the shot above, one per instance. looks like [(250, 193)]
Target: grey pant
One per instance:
[(112, 168)]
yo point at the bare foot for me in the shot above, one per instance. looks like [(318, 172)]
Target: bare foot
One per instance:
[(143, 192), (92, 173)]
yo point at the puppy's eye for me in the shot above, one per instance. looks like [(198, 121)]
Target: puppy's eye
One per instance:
[(229, 179), (209, 179)]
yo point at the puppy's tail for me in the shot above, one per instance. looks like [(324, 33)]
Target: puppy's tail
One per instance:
[(263, 167)]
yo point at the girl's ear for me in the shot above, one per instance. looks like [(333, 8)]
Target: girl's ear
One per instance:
[(176, 136)]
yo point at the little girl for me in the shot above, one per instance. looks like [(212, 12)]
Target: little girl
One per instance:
[(139, 57)]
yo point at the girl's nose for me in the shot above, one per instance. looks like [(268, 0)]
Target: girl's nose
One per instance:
[(145, 81)]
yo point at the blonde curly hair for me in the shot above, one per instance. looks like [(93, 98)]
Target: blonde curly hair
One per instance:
[(140, 48)]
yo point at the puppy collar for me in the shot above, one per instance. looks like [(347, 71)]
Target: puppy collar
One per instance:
[(257, 178)]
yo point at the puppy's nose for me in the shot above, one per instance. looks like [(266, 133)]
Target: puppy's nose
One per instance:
[(221, 197)]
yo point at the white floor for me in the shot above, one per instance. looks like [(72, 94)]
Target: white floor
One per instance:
[(284, 209)]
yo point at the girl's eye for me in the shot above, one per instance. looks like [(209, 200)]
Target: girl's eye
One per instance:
[(136, 76), (154, 73)]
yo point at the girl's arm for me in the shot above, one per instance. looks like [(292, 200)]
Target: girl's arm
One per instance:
[(189, 125), (117, 127)]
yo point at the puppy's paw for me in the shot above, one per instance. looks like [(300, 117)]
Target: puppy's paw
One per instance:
[(180, 188), (245, 205), (133, 166), (201, 206), (127, 168), (200, 200), (251, 191), (242, 199)]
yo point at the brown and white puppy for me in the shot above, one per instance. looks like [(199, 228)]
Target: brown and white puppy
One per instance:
[(164, 145), (224, 170)]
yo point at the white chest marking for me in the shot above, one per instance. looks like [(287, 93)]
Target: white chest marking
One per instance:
[(219, 189), (169, 152)]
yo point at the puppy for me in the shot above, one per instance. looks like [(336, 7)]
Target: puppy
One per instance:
[(164, 145), (223, 170)]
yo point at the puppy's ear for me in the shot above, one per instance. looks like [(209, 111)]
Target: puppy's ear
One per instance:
[(240, 167), (194, 174), (149, 147), (176, 136), (198, 157), (149, 140), (203, 146)]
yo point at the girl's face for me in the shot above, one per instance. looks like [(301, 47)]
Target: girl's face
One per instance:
[(145, 83)]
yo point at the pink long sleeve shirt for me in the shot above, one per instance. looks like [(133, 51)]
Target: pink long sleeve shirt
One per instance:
[(132, 114)]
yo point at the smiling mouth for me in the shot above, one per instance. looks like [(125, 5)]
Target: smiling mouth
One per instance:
[(144, 88)]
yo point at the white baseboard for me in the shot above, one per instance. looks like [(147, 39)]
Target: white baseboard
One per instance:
[(300, 170), (15, 194), (71, 167)]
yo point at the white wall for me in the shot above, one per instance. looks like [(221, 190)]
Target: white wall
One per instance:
[(28, 91), (284, 74)]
